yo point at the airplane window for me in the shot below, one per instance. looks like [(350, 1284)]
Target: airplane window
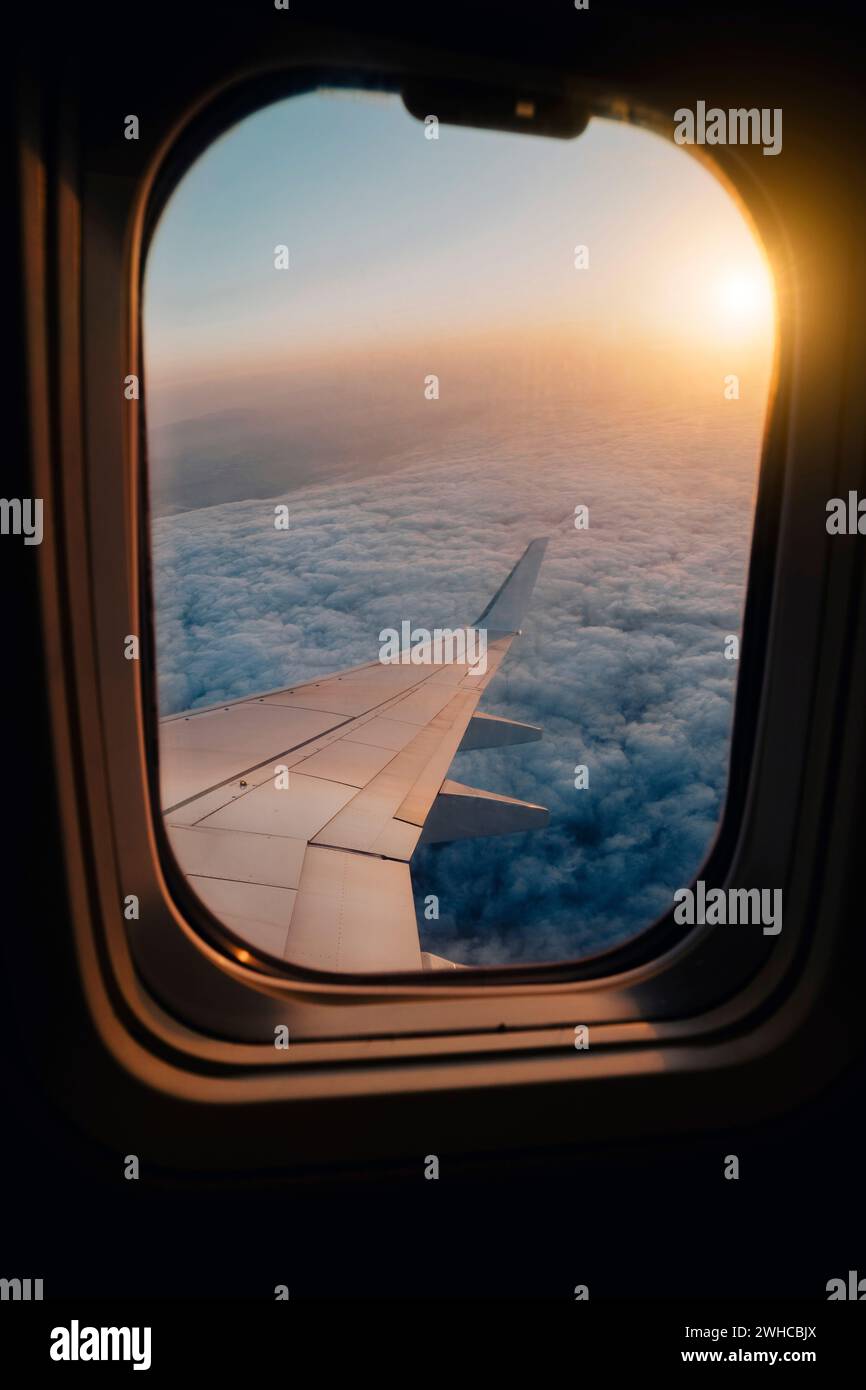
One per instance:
[(453, 442)]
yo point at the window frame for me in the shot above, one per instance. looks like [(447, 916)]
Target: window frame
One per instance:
[(685, 1004)]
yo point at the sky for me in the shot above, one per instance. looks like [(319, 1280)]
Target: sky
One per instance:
[(558, 386), (401, 243)]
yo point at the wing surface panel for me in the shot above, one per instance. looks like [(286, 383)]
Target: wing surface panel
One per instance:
[(295, 813)]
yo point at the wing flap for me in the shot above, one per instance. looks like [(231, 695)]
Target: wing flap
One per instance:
[(353, 913), (258, 913)]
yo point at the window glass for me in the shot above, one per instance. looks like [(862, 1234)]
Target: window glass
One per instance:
[(377, 366)]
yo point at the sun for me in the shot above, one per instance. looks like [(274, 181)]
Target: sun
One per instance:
[(744, 298)]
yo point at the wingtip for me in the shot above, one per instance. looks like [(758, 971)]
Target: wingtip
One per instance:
[(505, 609)]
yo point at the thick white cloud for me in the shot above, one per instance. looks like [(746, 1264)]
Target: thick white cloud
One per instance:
[(621, 659)]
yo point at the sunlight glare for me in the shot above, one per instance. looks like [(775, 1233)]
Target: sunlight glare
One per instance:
[(744, 298)]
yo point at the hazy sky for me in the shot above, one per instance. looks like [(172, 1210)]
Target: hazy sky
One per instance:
[(401, 244)]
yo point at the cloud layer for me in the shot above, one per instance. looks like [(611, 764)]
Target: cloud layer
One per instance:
[(621, 659)]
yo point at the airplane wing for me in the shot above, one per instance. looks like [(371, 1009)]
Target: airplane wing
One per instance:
[(294, 814)]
